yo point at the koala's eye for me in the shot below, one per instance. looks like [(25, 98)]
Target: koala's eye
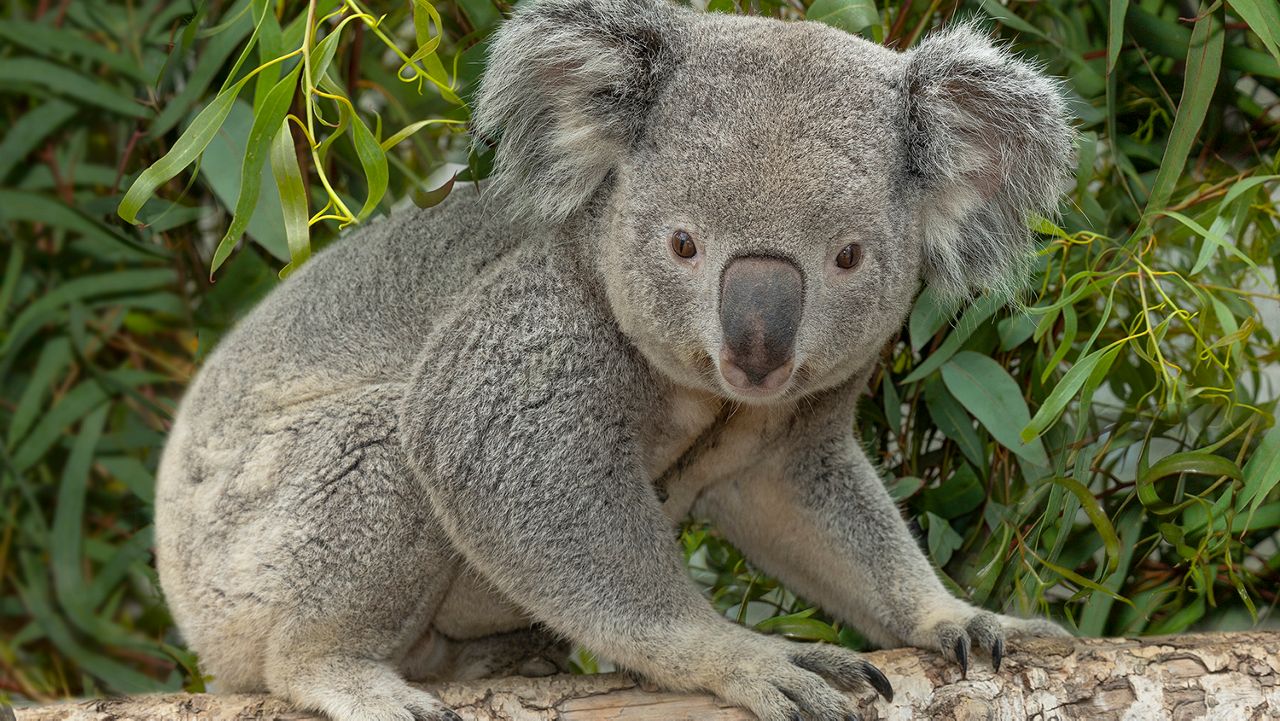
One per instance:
[(682, 244), (850, 256)]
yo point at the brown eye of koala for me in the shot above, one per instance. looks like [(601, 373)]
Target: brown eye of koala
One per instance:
[(682, 244), (850, 256)]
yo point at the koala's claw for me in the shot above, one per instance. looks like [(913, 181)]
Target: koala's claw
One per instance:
[(962, 655), (787, 681), (986, 631), (879, 682), (843, 668), (435, 714)]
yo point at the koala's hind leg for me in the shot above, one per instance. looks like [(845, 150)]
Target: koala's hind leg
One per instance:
[(358, 565), (528, 652)]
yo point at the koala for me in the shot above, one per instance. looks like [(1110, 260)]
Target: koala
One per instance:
[(462, 438)]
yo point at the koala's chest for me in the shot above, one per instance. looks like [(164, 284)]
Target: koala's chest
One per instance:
[(702, 440)]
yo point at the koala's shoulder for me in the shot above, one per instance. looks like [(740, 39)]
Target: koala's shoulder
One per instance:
[(538, 315), (531, 353)]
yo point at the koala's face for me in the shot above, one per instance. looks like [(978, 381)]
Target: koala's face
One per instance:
[(767, 197), (760, 241)]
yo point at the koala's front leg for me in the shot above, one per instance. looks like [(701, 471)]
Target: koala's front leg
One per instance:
[(524, 440), (818, 517)]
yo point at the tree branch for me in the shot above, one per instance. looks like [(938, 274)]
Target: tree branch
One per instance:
[(1220, 676)]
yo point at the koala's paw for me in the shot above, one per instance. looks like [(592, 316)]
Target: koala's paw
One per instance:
[(958, 635), (376, 702), (420, 706), (793, 682)]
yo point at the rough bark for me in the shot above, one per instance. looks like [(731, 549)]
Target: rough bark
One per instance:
[(1229, 676)]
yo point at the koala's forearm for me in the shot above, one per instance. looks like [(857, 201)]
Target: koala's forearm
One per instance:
[(824, 524)]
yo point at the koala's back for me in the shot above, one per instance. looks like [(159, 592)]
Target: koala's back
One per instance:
[(354, 316), (360, 309)]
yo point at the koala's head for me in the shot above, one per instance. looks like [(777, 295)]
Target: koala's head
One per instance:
[(764, 198)]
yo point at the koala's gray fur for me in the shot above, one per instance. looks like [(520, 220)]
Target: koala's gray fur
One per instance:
[(462, 436)]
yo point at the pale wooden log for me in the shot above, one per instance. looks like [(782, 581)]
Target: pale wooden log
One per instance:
[(1227, 676)]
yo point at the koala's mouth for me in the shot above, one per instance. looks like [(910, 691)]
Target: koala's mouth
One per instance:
[(754, 380)]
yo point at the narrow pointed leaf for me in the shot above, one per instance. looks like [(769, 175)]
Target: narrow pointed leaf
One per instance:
[(266, 124)]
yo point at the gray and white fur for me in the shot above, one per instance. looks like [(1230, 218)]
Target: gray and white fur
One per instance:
[(463, 437)]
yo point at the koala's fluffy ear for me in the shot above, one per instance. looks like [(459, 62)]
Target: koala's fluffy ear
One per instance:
[(565, 95), (989, 139)]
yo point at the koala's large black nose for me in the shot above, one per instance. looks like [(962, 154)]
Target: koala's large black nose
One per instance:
[(761, 300)]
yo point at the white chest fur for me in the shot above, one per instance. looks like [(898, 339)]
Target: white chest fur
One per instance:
[(702, 439)]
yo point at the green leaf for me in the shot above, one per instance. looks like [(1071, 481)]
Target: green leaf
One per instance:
[(942, 538), (1204, 62), (892, 404), (1006, 16), (799, 626), (852, 16), (373, 161), (132, 473), (928, 315), (220, 170), (30, 129), (183, 153), (905, 487), (18, 206), (47, 39), (950, 418), (1205, 464), (78, 402), (1093, 619), (426, 17), (432, 198), (1263, 18), (127, 557), (266, 125), (1081, 580), (412, 128), (1261, 471), (1069, 324), (973, 318), (88, 286), (1181, 620), (956, 496), (66, 539), (1015, 330), (1098, 517), (1056, 402), (482, 13), (322, 54), (212, 61), (1245, 186), (989, 393), (33, 592), (12, 273), (1214, 239), (70, 85), (1115, 32), (293, 198), (54, 358)]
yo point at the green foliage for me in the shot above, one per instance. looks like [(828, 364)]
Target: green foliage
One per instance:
[(1107, 452)]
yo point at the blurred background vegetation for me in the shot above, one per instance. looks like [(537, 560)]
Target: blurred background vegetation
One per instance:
[(1106, 453)]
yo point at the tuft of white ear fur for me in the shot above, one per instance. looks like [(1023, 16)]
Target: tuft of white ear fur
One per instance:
[(989, 138), (565, 94)]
